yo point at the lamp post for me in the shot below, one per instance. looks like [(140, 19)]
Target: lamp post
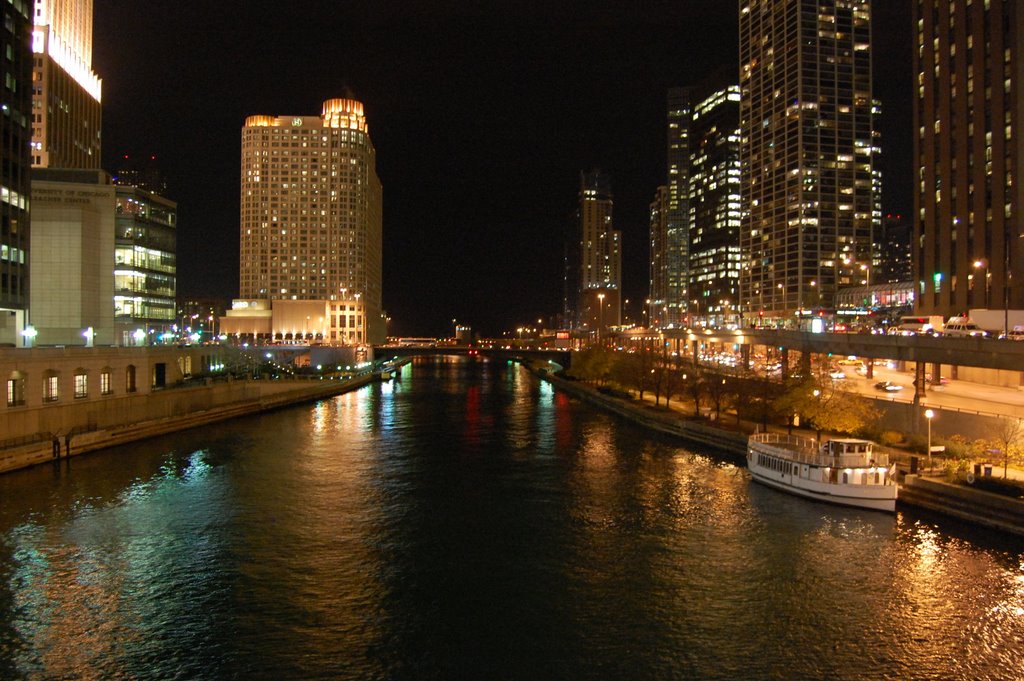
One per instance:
[(647, 313), (982, 264), (929, 414), (600, 319), (362, 321)]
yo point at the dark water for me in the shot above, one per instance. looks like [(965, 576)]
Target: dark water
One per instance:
[(467, 522)]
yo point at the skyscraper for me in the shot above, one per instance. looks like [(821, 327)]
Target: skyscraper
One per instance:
[(806, 153), (311, 223), (15, 181), (66, 93), (601, 254), (677, 234), (714, 198), (657, 297), (967, 119)]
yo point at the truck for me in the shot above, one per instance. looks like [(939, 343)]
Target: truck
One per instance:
[(996, 321), (912, 325)]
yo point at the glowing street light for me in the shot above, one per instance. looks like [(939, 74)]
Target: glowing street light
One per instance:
[(29, 334), (929, 414), (600, 319)]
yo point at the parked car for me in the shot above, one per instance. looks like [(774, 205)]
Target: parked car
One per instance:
[(837, 374), (888, 386)]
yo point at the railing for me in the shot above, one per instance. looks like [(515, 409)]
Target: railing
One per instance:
[(806, 450)]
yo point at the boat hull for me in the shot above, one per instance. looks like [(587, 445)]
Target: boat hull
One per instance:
[(887, 505)]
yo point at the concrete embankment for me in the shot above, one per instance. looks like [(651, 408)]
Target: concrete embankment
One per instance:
[(173, 410), (729, 441), (976, 506), (964, 503)]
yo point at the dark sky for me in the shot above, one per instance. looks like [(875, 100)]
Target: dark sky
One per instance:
[(483, 115)]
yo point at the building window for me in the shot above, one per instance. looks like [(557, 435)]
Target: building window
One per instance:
[(16, 390), (51, 391), (106, 387), (81, 384), (129, 379)]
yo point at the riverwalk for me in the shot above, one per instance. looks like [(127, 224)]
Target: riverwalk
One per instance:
[(924, 489)]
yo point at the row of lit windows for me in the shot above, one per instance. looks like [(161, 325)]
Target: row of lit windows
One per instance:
[(52, 389)]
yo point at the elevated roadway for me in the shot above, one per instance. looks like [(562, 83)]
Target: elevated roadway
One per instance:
[(986, 353)]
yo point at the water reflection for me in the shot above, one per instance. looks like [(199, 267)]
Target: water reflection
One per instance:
[(466, 521)]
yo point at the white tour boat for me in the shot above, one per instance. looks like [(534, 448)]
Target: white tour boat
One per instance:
[(840, 471)]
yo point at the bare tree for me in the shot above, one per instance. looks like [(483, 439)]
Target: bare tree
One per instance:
[(1009, 436)]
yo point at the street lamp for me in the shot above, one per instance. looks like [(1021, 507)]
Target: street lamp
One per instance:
[(600, 319), (982, 264), (647, 313), (929, 414)]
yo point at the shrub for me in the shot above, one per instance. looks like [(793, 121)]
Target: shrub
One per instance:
[(890, 438)]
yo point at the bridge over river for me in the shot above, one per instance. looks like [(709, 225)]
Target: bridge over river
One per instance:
[(559, 356)]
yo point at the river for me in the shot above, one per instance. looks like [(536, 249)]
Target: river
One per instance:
[(466, 521)]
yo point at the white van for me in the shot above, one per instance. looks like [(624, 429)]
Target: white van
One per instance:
[(963, 327), (913, 325)]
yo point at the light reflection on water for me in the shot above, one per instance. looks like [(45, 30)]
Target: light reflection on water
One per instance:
[(464, 521)]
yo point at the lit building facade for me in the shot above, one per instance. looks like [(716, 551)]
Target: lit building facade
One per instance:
[(657, 298), (311, 226), (15, 179), (601, 255), (714, 198), (677, 242), (145, 265), (893, 252), (806, 122), (968, 145), (72, 257), (66, 112)]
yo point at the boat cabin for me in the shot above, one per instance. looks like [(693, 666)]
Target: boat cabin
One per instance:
[(851, 452)]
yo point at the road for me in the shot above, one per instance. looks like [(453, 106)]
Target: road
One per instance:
[(961, 395)]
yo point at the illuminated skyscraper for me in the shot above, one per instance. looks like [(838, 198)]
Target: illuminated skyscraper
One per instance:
[(714, 198), (806, 152), (968, 240), (66, 111), (16, 99), (311, 224), (677, 230), (657, 298), (600, 297)]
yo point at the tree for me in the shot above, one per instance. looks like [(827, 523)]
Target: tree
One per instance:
[(1008, 435), (827, 406), (719, 393), (594, 365), (693, 386)]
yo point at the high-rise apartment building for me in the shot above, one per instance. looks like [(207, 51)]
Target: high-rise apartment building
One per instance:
[(601, 255), (806, 121), (311, 226), (677, 240), (968, 237), (66, 111), (657, 297), (714, 198), (15, 180)]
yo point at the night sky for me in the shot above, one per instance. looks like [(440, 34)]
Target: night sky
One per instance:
[(483, 114)]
